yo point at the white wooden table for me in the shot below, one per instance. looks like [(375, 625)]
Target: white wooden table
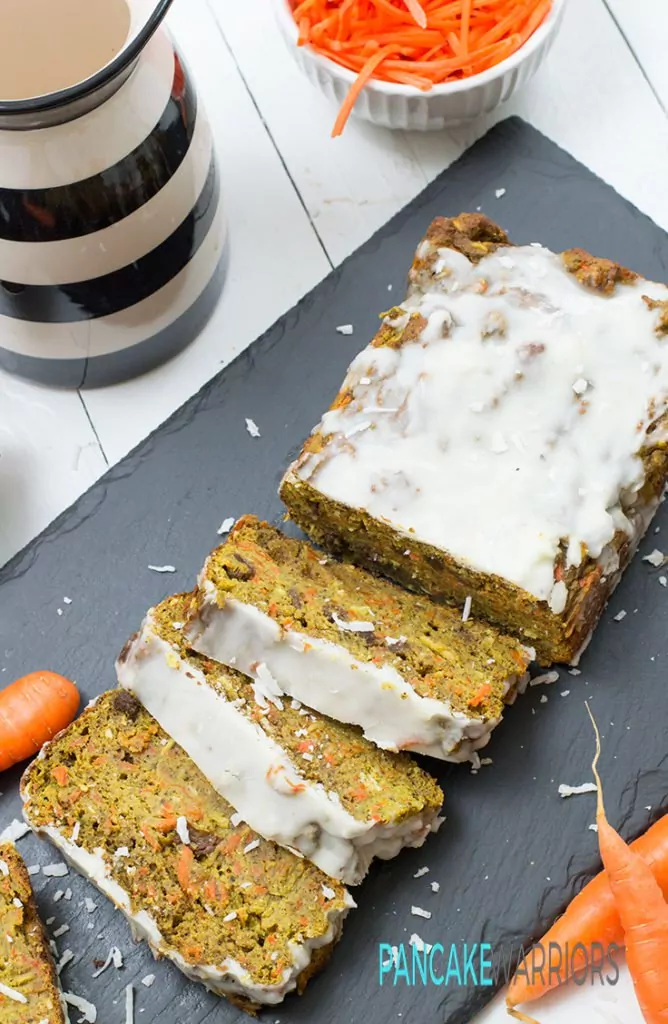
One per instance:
[(298, 204)]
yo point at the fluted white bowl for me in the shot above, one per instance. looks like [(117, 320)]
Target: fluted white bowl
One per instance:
[(392, 105)]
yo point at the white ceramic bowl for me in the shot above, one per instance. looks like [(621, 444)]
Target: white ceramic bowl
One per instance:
[(403, 106)]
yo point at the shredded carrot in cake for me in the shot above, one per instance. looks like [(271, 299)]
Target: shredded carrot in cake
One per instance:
[(420, 43)]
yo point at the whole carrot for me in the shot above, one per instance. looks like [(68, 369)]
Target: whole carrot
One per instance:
[(591, 919), (642, 909), (32, 710)]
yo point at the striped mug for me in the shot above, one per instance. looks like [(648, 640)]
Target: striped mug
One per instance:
[(111, 231)]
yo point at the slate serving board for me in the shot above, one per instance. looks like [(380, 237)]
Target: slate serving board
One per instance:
[(512, 852)]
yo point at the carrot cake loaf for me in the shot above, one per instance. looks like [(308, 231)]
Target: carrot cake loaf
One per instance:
[(503, 437), (127, 807), (411, 673), (303, 780), (29, 992)]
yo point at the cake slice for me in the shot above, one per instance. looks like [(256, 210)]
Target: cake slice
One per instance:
[(29, 992), (127, 807), (303, 780), (412, 674), (503, 437)]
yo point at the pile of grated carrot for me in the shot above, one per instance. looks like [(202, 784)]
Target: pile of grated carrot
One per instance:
[(421, 43)]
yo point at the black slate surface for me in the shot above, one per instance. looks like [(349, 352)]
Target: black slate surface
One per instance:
[(511, 853)]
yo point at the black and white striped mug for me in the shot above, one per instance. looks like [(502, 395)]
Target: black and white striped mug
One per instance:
[(111, 230)]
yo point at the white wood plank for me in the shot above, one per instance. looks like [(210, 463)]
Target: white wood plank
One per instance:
[(48, 457), (593, 100), (275, 256), (645, 25)]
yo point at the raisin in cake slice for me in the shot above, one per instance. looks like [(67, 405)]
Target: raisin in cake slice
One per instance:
[(297, 777), (241, 915), (503, 437), (411, 673)]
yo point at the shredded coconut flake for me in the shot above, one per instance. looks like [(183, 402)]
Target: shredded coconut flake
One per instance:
[(226, 526), (89, 1010), (593, 827), (89, 905), (586, 787), (252, 846), (421, 872), (656, 558), (114, 957), (545, 680), (148, 980), (345, 328), (435, 886), (580, 386), (64, 960), (619, 616), (500, 192), (352, 627), (122, 851), (467, 608), (266, 688), (328, 893), (558, 597), (231, 916), (12, 994), (4, 869), (75, 831), (419, 944), (67, 600), (419, 912), (14, 831), (55, 870), (34, 869), (252, 428), (663, 581), (129, 1005), (61, 931), (182, 830), (162, 568)]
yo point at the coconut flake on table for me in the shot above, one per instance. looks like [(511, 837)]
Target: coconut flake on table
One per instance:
[(499, 193), (352, 627), (114, 957), (55, 870), (89, 905), (182, 830), (64, 960), (544, 699), (663, 581), (420, 872), (61, 931), (586, 787), (593, 827), (148, 980), (345, 329), (655, 558), (467, 608), (68, 894), (226, 526), (162, 568), (546, 679), (419, 944), (12, 994), (14, 831), (89, 1010), (252, 428), (575, 672), (129, 1005), (564, 693), (435, 886), (34, 869), (619, 616), (67, 600), (419, 912)]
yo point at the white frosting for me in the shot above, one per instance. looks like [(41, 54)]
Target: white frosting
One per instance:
[(518, 429), (252, 771), (327, 677), (227, 978)]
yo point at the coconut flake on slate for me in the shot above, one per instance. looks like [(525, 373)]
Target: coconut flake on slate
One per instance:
[(162, 568), (61, 931), (252, 428), (544, 699), (68, 894), (558, 597), (345, 328), (34, 869), (546, 679), (663, 581), (129, 1005), (420, 872), (67, 600), (419, 944), (619, 616), (182, 830), (114, 957), (656, 558), (89, 905), (148, 980), (64, 960), (500, 192), (55, 870), (89, 1010), (586, 787), (419, 912), (593, 827), (435, 886), (467, 608), (352, 627), (14, 831), (12, 994), (226, 526)]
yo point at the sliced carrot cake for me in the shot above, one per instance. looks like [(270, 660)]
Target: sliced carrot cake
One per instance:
[(29, 992), (413, 674), (303, 780), (503, 437), (128, 808)]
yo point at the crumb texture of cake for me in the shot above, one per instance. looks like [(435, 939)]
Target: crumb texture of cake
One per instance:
[(411, 673), (303, 780), (503, 436), (29, 992), (248, 919)]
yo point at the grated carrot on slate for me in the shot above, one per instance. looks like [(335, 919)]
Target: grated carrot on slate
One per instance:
[(419, 43)]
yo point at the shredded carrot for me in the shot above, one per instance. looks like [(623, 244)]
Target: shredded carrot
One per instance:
[(419, 43), (60, 774), (183, 867)]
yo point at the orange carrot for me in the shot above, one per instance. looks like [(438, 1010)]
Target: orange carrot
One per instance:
[(591, 919), (418, 43), (642, 910), (183, 867), (32, 710)]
